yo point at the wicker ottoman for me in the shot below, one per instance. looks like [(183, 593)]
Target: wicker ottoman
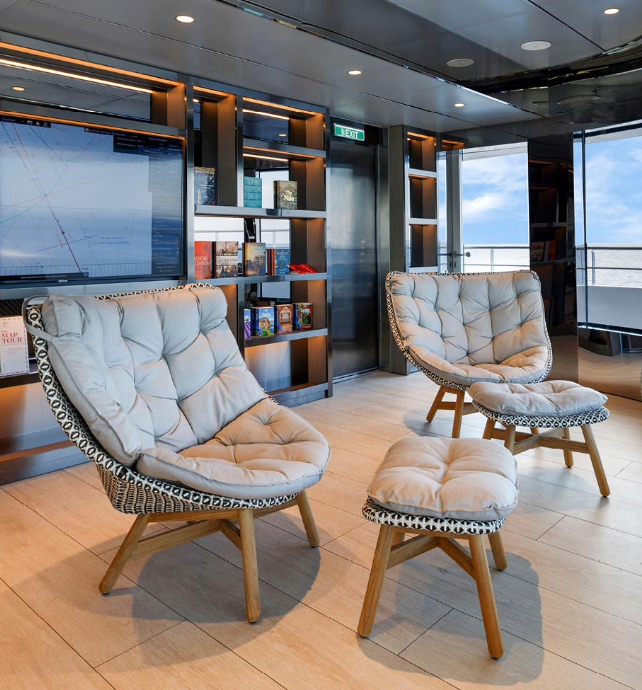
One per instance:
[(441, 490), (553, 405)]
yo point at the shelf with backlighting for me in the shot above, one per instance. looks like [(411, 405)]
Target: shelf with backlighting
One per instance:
[(244, 212), (262, 148), (245, 136), (256, 340)]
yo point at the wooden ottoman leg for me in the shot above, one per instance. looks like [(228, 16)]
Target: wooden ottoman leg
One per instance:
[(250, 566), (497, 547), (375, 582), (436, 404), (489, 428), (486, 597), (459, 413), (596, 460), (568, 454), (308, 519), (509, 440)]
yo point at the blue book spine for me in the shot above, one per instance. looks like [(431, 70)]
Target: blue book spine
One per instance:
[(282, 262)]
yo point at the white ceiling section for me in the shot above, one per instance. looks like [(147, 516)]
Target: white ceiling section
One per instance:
[(236, 47)]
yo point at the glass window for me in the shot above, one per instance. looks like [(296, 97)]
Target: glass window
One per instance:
[(495, 208)]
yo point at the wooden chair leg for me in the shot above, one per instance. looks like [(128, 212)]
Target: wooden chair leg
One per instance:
[(596, 461), (509, 440), (375, 582), (398, 537), (124, 552), (436, 403), (497, 547), (308, 519), (568, 454), (459, 413), (250, 566), (489, 428), (486, 597)]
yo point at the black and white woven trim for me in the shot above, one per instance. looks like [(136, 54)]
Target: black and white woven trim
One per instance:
[(545, 421), (128, 490), (439, 378), (384, 516)]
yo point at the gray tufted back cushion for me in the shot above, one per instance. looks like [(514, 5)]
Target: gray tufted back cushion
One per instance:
[(150, 369), (469, 319)]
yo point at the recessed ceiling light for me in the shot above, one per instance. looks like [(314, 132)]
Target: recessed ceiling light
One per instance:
[(184, 18), (282, 134), (18, 88), (611, 10), (460, 62), (459, 105), (354, 72), (536, 45)]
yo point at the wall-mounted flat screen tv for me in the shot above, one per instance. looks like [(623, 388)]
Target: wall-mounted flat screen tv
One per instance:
[(84, 204)]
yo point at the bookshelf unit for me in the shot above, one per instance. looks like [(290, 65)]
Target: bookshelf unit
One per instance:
[(243, 135)]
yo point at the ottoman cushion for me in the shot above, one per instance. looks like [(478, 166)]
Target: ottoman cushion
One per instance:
[(551, 398), (461, 479)]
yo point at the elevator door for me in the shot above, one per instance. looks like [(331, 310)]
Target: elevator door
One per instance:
[(353, 254)]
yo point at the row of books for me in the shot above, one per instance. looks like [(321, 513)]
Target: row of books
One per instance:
[(282, 318), (222, 260), (205, 192)]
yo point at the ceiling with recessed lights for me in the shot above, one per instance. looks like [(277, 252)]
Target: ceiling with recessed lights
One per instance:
[(444, 66)]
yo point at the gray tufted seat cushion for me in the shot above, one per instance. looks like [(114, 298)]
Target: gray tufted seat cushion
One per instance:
[(460, 479), (468, 328), (163, 387)]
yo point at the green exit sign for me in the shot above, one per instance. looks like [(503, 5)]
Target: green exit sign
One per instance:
[(349, 132)]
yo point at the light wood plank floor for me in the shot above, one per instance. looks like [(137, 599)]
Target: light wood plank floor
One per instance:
[(570, 602)]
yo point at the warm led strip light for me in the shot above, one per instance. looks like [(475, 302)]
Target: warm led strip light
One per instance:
[(267, 158), (260, 112), (93, 80)]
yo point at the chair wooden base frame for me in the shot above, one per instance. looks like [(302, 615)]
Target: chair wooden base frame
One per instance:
[(393, 549), (236, 525), (560, 438), (459, 405)]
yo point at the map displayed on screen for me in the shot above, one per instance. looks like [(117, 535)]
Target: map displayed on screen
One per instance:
[(78, 203)]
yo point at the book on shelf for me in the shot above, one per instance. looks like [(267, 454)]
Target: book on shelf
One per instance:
[(278, 261), (302, 316), (202, 260), (252, 192), (263, 321), (284, 318), (254, 259), (14, 352), (302, 268), (226, 259), (205, 186), (285, 194), (247, 323)]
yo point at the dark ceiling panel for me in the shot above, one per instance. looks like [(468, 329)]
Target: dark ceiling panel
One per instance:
[(505, 36), (588, 18)]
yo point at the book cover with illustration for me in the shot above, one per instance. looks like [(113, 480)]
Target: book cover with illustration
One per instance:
[(263, 321), (14, 353), (252, 192), (284, 318), (226, 259), (205, 186), (285, 194), (247, 323), (303, 316), (202, 260), (281, 262), (254, 259)]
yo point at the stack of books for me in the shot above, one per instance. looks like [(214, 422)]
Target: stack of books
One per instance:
[(264, 321)]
